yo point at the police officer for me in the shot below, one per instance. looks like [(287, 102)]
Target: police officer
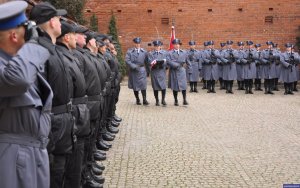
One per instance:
[(268, 67), (62, 135), (136, 59), (157, 63), (194, 60), (289, 60), (249, 67), (93, 91), (257, 82), (66, 42), (229, 68), (202, 57), (222, 52), (239, 66), (177, 74), (25, 103), (277, 66)]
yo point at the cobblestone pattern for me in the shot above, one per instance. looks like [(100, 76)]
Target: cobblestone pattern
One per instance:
[(219, 140)]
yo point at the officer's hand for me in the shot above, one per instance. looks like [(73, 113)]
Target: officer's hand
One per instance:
[(31, 31)]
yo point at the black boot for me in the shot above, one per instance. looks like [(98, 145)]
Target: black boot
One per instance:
[(291, 87), (191, 87), (221, 83), (295, 86), (195, 87), (163, 96), (226, 83), (213, 83), (204, 84), (250, 86), (156, 97), (231, 85), (270, 86), (266, 85), (256, 84), (136, 94), (286, 90), (276, 84), (243, 85), (145, 102), (259, 85), (184, 97), (175, 93), (239, 85), (246, 86), (208, 82)]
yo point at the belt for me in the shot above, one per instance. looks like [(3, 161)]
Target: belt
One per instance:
[(80, 100), (65, 108), (94, 98), (24, 140)]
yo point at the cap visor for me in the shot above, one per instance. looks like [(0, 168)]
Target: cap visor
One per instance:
[(61, 12)]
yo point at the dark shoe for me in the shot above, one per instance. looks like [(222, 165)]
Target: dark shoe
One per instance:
[(157, 103), (196, 90), (101, 146), (98, 165), (246, 92), (97, 171), (117, 119), (98, 179), (112, 129), (138, 102), (185, 102), (145, 102), (107, 137), (231, 92), (295, 89), (105, 143), (99, 157), (191, 91), (163, 102), (259, 89), (114, 123), (209, 91), (213, 91), (176, 103), (90, 183), (250, 92), (270, 92), (100, 151), (291, 93)]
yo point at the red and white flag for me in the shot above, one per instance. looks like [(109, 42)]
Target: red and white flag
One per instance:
[(172, 38)]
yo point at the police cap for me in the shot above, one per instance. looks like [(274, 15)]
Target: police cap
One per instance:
[(249, 43), (44, 11), (229, 42), (176, 41), (12, 14), (269, 43), (222, 44), (191, 43), (80, 29), (211, 42), (156, 43), (257, 45), (288, 45), (240, 43), (90, 35), (66, 28), (137, 40)]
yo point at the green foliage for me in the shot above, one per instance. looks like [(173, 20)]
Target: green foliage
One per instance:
[(94, 23), (113, 31), (74, 8)]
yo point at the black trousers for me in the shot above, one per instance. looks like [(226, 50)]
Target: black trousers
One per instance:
[(74, 165)]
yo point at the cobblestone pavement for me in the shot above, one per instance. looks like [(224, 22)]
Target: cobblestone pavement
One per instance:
[(219, 140)]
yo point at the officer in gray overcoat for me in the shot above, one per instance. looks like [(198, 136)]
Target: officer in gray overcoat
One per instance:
[(176, 59), (229, 68), (249, 67), (211, 58), (202, 55), (289, 61), (239, 66), (277, 66), (157, 64), (25, 103), (268, 67), (136, 60), (194, 60), (222, 52), (257, 82)]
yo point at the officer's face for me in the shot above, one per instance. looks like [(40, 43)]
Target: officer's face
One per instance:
[(157, 48), (229, 46), (80, 39), (270, 46), (72, 40), (177, 46), (137, 45), (56, 25), (17, 37), (102, 49), (193, 47), (289, 49)]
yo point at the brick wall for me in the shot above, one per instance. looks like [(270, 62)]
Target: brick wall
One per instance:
[(217, 20)]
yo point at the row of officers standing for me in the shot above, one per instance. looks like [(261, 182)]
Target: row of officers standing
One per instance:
[(247, 65), (59, 85)]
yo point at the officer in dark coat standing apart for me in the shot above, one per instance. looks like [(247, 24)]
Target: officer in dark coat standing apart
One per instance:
[(93, 91), (136, 60), (249, 67), (229, 68), (25, 103), (268, 67), (177, 74), (239, 66), (66, 42), (194, 60), (158, 64), (290, 61), (62, 135), (257, 82)]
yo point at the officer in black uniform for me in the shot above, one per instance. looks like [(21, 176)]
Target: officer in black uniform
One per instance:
[(93, 91), (66, 42), (62, 135)]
